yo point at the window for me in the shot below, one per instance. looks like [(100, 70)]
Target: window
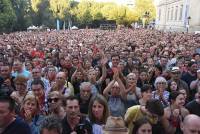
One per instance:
[(159, 13), (176, 13), (172, 13), (168, 13), (181, 12)]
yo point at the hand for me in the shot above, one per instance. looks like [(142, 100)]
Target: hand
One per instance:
[(28, 115), (73, 132), (104, 60), (176, 112)]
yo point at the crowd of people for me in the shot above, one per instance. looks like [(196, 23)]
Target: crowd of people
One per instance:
[(90, 81)]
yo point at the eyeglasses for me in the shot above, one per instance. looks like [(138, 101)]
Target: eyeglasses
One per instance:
[(161, 83), (50, 100)]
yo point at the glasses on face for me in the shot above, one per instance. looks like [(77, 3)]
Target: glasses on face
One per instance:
[(50, 100), (161, 83)]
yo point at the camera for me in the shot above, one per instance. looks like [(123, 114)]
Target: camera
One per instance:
[(83, 129)]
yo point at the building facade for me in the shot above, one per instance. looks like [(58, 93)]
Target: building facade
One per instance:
[(178, 15)]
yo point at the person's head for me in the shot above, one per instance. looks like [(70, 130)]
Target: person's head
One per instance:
[(131, 79), (7, 110), (98, 109), (54, 100), (198, 94), (92, 75), (115, 60), (85, 90), (173, 86), (37, 86), (20, 83), (190, 124), (5, 71), (146, 92), (72, 107), (142, 126), (115, 125), (160, 83), (143, 76), (154, 109), (51, 125), (36, 73), (184, 92), (60, 78), (175, 73), (158, 70), (51, 73), (30, 104), (192, 67), (75, 61), (79, 75), (115, 89), (17, 65), (176, 98)]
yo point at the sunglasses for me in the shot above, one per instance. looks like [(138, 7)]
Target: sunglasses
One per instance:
[(163, 83), (50, 100)]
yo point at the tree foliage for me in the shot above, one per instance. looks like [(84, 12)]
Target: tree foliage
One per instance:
[(7, 16), (19, 14)]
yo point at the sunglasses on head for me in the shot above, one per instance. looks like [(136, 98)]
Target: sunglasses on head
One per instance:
[(50, 100)]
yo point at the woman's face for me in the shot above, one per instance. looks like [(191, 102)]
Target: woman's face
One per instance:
[(145, 129), (21, 87), (143, 76), (180, 100), (173, 86), (161, 85), (97, 110), (97, 71), (147, 95), (30, 105), (131, 80), (183, 91)]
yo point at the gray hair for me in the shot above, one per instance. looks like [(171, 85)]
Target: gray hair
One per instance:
[(85, 84), (51, 123), (160, 79)]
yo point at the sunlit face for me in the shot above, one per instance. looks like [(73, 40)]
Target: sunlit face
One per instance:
[(131, 79), (180, 100), (97, 110), (145, 129), (30, 105)]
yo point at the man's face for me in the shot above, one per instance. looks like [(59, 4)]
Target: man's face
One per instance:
[(17, 66), (5, 71), (60, 79), (191, 128), (115, 61), (36, 73), (5, 114), (72, 108), (38, 90), (85, 93)]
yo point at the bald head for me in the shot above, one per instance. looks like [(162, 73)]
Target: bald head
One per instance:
[(191, 124)]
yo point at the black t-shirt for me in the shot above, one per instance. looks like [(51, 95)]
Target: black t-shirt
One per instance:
[(84, 105), (17, 127), (83, 123), (193, 107)]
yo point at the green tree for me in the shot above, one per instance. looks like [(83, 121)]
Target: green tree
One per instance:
[(7, 16), (22, 10), (145, 6)]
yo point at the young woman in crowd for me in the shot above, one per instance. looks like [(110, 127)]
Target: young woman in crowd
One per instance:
[(142, 126), (30, 113), (98, 112), (174, 113), (21, 89)]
